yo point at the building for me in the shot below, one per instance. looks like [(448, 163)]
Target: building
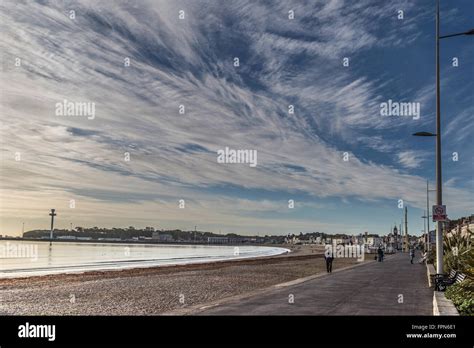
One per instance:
[(218, 240), (359, 240), (394, 240), (162, 237), (343, 241), (374, 241), (463, 228)]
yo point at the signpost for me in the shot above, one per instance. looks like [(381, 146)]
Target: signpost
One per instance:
[(439, 213)]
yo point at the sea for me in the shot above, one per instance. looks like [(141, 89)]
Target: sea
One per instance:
[(20, 258)]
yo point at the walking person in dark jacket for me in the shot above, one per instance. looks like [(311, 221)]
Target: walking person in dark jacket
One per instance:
[(380, 254), (329, 258)]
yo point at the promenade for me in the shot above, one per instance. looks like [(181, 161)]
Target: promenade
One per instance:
[(392, 287)]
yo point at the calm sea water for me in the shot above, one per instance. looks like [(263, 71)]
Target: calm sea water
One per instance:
[(27, 258)]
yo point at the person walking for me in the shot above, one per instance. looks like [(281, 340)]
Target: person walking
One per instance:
[(329, 258), (412, 255), (380, 254)]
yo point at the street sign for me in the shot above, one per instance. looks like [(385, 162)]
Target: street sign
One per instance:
[(439, 213)]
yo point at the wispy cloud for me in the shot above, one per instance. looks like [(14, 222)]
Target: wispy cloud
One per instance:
[(411, 159), (189, 62)]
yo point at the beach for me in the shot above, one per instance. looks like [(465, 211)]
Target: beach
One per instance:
[(157, 290)]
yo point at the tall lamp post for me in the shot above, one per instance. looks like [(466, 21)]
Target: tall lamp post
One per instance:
[(52, 214), (439, 195)]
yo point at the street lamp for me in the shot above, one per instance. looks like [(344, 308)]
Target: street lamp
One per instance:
[(439, 195), (469, 32), (424, 134)]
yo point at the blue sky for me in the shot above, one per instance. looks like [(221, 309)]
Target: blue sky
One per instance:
[(189, 62)]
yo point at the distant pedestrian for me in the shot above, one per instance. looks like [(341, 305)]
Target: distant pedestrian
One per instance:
[(380, 254), (329, 258), (412, 255)]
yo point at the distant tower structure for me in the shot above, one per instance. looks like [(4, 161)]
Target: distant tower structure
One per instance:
[(395, 233), (52, 214)]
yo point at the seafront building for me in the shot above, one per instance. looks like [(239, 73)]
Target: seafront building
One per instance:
[(463, 228)]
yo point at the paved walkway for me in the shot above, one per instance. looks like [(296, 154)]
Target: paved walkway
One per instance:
[(371, 289)]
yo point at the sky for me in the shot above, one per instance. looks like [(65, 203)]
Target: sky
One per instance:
[(343, 164)]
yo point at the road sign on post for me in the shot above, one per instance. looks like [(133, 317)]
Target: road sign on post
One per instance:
[(439, 213)]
